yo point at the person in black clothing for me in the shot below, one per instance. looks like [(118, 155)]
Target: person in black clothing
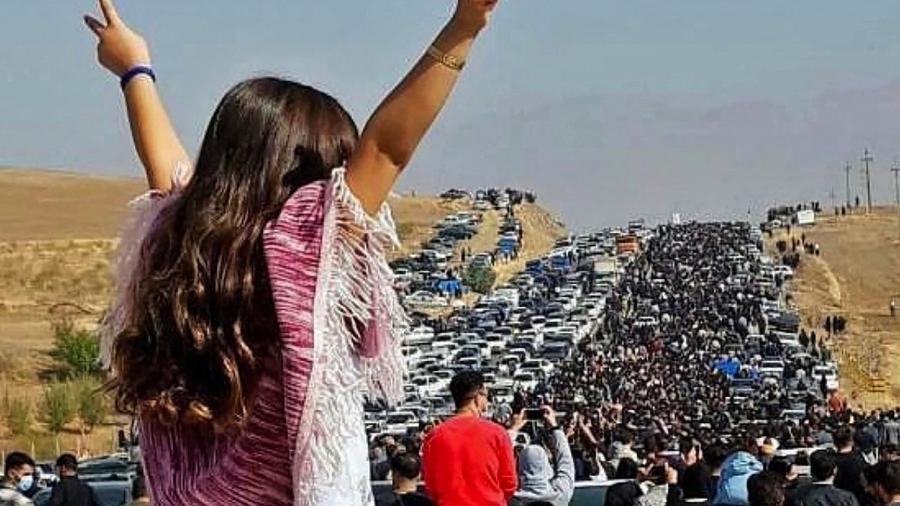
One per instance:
[(792, 481), (714, 457), (765, 489), (885, 482), (626, 493), (405, 471), (850, 464), (822, 492), (71, 491), (693, 473)]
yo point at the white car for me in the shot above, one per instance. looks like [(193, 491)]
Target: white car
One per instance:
[(771, 368), (412, 355), (538, 322), (593, 308), (403, 275), (553, 324), (569, 331), (831, 375), (509, 363), (537, 338), (646, 321), (437, 355), (502, 392), (428, 384), (484, 347), (510, 295), (401, 422), (445, 347), (525, 380), (496, 342), (539, 363), (419, 336), (424, 298), (469, 362), (784, 271)]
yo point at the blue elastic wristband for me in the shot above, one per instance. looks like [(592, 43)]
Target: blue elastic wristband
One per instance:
[(136, 71)]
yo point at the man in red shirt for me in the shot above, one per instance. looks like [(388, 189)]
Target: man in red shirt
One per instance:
[(469, 461)]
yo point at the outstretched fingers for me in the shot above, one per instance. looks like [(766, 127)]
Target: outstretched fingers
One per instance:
[(95, 25), (109, 12)]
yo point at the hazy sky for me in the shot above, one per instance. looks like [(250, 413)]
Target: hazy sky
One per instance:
[(608, 109)]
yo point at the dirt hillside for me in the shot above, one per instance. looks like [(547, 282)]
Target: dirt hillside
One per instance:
[(856, 276), (57, 239)]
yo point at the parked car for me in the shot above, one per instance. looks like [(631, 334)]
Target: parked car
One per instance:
[(424, 298)]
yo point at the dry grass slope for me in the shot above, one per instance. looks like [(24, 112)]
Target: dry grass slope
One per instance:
[(58, 236), (856, 276)]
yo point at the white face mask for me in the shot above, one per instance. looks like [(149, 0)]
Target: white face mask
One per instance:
[(25, 483)]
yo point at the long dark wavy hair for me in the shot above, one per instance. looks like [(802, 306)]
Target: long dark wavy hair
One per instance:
[(204, 324)]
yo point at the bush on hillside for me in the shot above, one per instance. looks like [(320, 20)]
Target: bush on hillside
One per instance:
[(93, 403), (59, 406), (76, 350), (17, 412), (480, 280)]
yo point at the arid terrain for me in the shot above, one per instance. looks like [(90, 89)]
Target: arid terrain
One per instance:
[(57, 240), (856, 276)]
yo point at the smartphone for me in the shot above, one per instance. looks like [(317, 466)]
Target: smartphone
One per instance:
[(534, 414)]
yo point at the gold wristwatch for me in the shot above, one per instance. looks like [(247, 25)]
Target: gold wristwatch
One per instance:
[(445, 59)]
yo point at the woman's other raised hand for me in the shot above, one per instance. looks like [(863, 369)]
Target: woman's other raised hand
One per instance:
[(119, 48)]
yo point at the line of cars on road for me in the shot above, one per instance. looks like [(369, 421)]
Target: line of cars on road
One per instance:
[(422, 279), (517, 335), (777, 364)]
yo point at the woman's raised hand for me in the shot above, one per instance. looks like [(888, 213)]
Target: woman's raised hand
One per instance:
[(119, 48), (474, 15)]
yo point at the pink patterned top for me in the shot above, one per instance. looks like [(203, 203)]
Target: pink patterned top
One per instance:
[(304, 442)]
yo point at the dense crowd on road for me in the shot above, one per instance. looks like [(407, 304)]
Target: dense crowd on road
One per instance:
[(679, 374), (681, 368)]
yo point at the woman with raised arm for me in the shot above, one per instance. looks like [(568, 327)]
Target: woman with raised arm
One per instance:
[(254, 308)]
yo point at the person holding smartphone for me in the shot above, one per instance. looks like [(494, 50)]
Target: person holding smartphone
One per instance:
[(546, 472)]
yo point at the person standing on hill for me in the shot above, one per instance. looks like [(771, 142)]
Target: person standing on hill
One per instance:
[(254, 307), (468, 460), (71, 491)]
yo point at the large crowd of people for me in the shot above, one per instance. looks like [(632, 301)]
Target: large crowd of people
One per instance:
[(696, 388)]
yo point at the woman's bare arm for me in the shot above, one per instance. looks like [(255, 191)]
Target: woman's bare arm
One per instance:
[(120, 49), (395, 129)]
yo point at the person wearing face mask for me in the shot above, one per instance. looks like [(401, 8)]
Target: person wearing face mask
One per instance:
[(18, 478), (469, 460)]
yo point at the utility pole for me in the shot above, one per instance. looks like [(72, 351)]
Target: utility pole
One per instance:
[(847, 169), (896, 170), (833, 204), (867, 159)]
